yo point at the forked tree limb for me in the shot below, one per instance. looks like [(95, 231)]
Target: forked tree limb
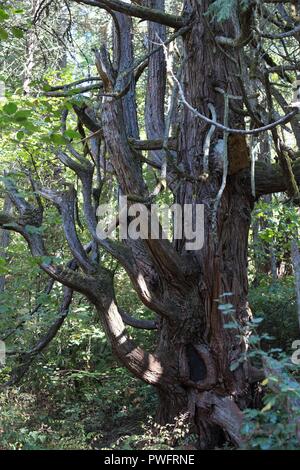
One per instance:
[(98, 289)]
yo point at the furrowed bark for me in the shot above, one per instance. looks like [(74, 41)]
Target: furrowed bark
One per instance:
[(123, 51), (156, 85), (222, 261)]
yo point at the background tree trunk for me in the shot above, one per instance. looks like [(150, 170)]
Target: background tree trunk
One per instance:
[(5, 239), (295, 255), (31, 46)]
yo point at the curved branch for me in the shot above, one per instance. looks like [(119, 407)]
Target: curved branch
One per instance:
[(72, 92), (66, 204), (138, 11), (142, 364), (67, 86), (99, 290), (136, 322), (269, 179), (283, 120), (284, 35)]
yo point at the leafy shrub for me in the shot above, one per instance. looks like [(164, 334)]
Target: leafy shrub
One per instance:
[(157, 437), (277, 424), (276, 303)]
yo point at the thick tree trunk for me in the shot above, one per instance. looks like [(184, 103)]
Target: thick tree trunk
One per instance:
[(195, 352), (200, 348)]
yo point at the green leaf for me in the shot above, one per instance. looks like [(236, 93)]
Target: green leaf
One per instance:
[(46, 87), (72, 134), (3, 34), (10, 108), (22, 115), (20, 135), (3, 15), (30, 127), (221, 10), (4, 309), (17, 32), (269, 405), (226, 309), (57, 139)]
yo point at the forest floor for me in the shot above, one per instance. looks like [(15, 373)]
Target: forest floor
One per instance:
[(79, 414)]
